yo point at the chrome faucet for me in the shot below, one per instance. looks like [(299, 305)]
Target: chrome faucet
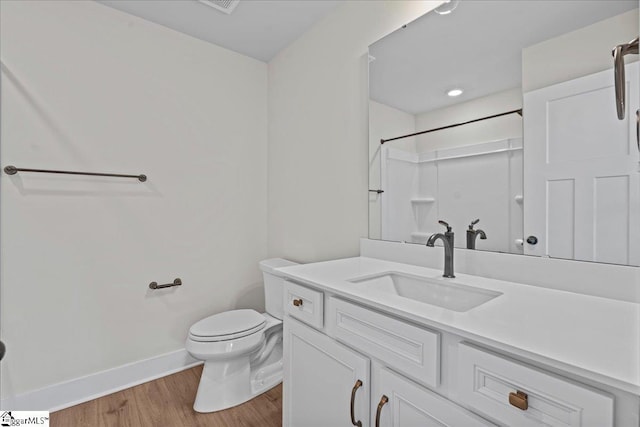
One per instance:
[(473, 234), (447, 241)]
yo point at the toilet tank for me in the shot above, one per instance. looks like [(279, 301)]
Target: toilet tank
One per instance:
[(273, 285)]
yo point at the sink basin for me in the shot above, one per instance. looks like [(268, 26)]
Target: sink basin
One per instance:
[(440, 292)]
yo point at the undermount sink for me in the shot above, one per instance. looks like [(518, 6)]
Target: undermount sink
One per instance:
[(440, 292)]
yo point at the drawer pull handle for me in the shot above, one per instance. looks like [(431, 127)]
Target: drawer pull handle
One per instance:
[(355, 388), (383, 401), (297, 302), (519, 399)]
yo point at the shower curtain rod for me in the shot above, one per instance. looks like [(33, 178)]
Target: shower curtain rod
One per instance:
[(382, 141)]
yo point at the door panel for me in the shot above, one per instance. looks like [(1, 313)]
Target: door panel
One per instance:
[(319, 378), (410, 405), (581, 169)]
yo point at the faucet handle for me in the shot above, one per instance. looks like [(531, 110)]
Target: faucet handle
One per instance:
[(474, 222), (445, 224)]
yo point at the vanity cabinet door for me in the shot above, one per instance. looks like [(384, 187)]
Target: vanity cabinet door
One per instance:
[(321, 377), (399, 402)]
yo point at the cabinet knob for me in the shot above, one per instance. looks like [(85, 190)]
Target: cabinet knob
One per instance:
[(532, 240), (383, 401), (297, 302), (519, 399)]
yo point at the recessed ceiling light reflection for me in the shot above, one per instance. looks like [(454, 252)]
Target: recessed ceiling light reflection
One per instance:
[(454, 92), (447, 7)]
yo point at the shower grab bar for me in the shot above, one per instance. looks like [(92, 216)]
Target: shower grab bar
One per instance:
[(12, 170), (618, 53), (154, 285)]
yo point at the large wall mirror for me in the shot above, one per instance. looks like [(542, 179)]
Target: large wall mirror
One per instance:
[(505, 112)]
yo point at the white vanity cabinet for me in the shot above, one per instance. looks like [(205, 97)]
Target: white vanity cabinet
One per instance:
[(351, 364), (329, 384), (323, 377)]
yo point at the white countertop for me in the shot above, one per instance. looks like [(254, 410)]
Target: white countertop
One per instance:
[(592, 337)]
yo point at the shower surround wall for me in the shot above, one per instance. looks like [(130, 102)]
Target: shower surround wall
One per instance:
[(385, 122), (457, 185), (481, 178), (86, 87)]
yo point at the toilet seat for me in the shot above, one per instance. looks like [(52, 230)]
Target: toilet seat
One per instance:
[(227, 326)]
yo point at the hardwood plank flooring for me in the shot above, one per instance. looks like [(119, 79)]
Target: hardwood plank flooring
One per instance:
[(168, 401)]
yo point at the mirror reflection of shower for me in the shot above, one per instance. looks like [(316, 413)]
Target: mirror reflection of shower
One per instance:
[(558, 175), (473, 167)]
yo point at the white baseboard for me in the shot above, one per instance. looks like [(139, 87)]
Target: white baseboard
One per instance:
[(83, 389)]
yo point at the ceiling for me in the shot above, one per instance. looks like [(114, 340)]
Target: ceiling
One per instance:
[(259, 29), (477, 47)]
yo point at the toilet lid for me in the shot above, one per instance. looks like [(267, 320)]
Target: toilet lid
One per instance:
[(234, 322)]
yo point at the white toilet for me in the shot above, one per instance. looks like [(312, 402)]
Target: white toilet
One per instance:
[(241, 349)]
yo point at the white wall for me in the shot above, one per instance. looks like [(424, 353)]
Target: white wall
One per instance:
[(384, 122), (578, 53), (388, 122), (496, 129), (318, 131), (86, 87)]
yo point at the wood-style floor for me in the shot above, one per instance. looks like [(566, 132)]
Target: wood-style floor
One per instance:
[(168, 401)]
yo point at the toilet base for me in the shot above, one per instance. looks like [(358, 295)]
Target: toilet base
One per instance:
[(224, 385), (231, 381)]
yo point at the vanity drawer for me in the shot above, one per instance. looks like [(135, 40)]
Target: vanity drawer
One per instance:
[(304, 304), (488, 382), (408, 349)]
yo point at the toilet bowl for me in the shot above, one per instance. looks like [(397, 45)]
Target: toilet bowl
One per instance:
[(241, 349)]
